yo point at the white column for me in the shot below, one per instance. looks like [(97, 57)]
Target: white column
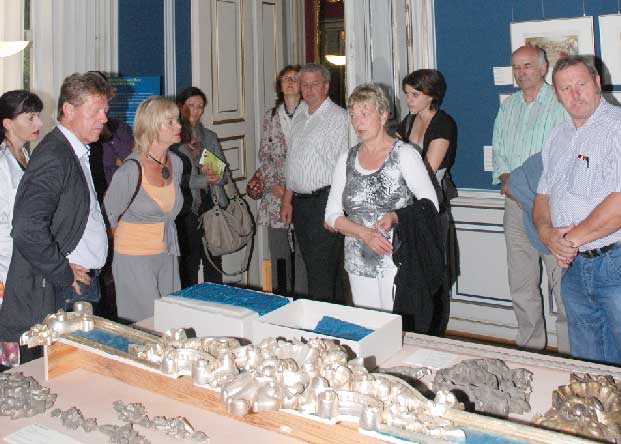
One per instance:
[(170, 53), (70, 36), (11, 29)]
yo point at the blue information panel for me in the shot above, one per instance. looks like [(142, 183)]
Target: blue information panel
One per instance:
[(130, 91)]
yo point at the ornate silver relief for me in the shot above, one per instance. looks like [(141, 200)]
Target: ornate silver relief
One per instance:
[(313, 378), (490, 385), (22, 396), (588, 406)]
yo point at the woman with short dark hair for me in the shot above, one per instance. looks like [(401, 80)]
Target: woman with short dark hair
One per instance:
[(427, 127), (434, 133), (19, 124)]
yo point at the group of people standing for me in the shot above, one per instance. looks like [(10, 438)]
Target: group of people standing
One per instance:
[(55, 228), (383, 202), (557, 155), (321, 198)]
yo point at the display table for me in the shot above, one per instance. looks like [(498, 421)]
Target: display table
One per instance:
[(549, 372), (94, 394)]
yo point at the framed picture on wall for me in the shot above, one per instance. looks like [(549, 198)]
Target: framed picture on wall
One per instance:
[(558, 37), (610, 44)]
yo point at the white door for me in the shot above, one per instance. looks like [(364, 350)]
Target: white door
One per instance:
[(236, 53)]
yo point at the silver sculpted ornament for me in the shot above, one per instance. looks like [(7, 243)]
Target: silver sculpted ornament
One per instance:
[(54, 325), (312, 377), (23, 397)]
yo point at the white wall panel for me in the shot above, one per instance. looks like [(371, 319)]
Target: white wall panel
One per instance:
[(269, 24), (228, 64), (481, 300)]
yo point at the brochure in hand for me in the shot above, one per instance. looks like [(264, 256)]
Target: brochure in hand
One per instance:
[(213, 162)]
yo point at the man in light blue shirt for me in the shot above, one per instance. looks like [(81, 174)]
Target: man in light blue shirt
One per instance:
[(577, 210), (522, 126)]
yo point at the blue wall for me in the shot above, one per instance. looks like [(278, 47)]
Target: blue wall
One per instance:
[(472, 37), (141, 39), (183, 36)]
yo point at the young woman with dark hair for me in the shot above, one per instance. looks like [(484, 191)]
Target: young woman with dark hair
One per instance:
[(19, 124)]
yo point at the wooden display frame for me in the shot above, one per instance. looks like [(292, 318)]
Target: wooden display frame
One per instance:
[(65, 356), (72, 352)]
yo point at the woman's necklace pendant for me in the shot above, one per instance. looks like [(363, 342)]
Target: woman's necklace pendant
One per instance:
[(165, 172)]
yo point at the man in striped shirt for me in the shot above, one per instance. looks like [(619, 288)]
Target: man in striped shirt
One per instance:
[(521, 128), (318, 138)]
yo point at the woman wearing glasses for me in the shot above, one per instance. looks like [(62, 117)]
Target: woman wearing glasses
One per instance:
[(278, 124)]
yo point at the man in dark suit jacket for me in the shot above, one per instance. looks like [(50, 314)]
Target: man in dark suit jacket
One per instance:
[(58, 230)]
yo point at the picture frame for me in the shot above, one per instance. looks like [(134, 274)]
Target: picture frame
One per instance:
[(558, 37), (610, 45)]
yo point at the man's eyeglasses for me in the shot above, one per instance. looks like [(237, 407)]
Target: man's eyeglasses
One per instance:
[(314, 84)]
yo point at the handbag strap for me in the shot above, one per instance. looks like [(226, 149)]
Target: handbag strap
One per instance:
[(138, 183), (245, 263)]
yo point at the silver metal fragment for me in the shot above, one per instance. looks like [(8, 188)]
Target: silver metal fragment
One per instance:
[(73, 419), (489, 384), (23, 397), (179, 428), (123, 434), (416, 373), (61, 322)]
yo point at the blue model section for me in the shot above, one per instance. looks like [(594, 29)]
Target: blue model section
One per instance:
[(107, 338), (471, 38), (330, 326), (474, 437), (262, 303)]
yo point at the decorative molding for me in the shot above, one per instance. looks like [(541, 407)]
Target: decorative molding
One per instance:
[(508, 355), (195, 44), (170, 50), (236, 144), (484, 199), (270, 57), (227, 62)]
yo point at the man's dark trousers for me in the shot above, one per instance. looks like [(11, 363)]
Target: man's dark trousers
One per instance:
[(321, 250)]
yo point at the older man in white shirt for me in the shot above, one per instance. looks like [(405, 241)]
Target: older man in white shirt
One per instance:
[(318, 139)]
